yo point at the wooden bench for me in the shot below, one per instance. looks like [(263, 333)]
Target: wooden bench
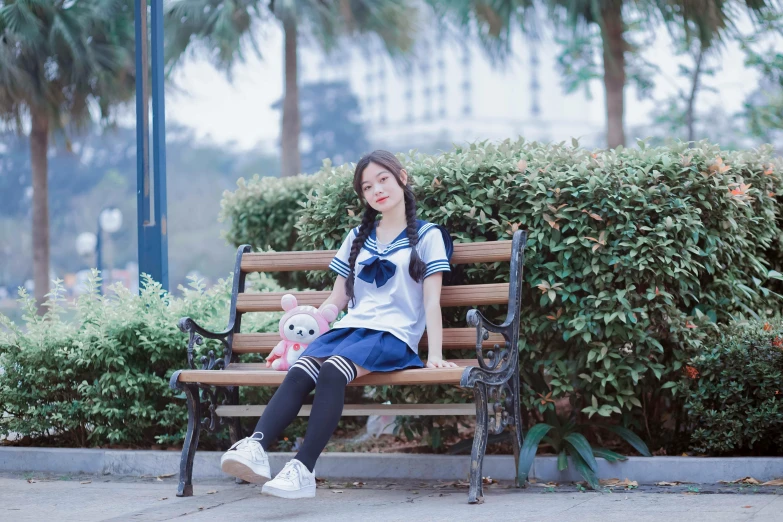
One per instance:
[(212, 391)]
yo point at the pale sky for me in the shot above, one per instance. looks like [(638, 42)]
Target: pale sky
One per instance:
[(240, 112)]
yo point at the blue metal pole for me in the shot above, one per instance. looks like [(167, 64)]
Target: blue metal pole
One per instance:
[(151, 185), (159, 144), (143, 186)]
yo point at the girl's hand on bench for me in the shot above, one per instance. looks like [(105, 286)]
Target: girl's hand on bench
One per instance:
[(440, 363)]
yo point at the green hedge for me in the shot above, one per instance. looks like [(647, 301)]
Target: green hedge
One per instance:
[(77, 376), (632, 253), (734, 391), (264, 211)]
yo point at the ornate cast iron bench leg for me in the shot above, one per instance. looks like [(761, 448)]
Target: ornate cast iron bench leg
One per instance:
[(496, 378), (476, 491), (193, 397), (495, 381), (204, 400), (515, 425), (185, 488), (506, 414)]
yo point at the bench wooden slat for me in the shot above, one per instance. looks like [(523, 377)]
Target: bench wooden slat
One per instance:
[(453, 338), (257, 374), (259, 366), (463, 295), (464, 253), (359, 410)]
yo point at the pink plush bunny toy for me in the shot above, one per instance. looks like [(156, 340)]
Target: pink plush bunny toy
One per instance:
[(299, 326)]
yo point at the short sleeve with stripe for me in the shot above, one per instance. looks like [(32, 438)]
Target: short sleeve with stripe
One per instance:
[(435, 249), (340, 261)]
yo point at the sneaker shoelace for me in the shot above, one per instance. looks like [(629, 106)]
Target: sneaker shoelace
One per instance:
[(290, 471), (255, 449)]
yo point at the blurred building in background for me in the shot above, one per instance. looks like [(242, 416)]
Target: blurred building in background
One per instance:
[(451, 93)]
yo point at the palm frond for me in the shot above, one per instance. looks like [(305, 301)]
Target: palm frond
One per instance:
[(57, 58), (19, 19), (491, 22), (705, 20), (225, 29), (220, 29), (64, 36)]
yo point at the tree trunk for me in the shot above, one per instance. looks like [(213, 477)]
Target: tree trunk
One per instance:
[(39, 143), (290, 162), (614, 71), (690, 120)]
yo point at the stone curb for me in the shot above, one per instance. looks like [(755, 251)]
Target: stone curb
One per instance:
[(704, 470)]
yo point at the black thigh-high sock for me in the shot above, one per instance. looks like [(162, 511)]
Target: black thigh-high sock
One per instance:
[(335, 375), (287, 400)]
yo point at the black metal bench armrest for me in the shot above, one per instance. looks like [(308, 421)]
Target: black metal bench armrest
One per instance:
[(476, 319), (502, 361), (186, 324), (197, 334)]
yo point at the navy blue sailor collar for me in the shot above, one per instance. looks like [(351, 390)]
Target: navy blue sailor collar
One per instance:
[(378, 270), (401, 241)]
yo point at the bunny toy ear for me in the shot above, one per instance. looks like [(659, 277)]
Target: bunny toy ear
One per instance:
[(289, 302), (330, 312)]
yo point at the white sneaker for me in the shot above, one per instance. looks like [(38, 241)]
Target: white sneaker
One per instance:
[(247, 460), (294, 481)]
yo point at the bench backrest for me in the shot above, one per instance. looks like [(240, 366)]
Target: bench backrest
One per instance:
[(463, 295)]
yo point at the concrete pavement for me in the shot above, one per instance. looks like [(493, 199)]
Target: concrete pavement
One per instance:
[(48, 497), (336, 465)]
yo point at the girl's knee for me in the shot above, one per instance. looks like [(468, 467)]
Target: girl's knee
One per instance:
[(309, 365), (338, 367)]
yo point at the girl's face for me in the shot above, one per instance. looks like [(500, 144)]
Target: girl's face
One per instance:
[(380, 188)]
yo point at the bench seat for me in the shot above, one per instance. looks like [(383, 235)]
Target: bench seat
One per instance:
[(257, 374)]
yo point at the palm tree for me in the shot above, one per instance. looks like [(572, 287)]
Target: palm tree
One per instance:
[(226, 30), (60, 62), (708, 18)]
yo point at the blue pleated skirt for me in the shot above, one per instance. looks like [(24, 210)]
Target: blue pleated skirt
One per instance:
[(371, 349)]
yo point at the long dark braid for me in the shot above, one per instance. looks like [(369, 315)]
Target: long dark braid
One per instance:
[(416, 268), (368, 219)]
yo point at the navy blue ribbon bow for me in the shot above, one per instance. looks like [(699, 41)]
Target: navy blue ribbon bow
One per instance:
[(377, 270)]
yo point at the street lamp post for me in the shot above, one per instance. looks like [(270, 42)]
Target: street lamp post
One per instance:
[(109, 221), (86, 243)]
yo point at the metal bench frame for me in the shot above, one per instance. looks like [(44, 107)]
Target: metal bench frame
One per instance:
[(495, 381)]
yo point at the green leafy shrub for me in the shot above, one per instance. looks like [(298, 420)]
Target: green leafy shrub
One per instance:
[(566, 438), (77, 375), (734, 391), (264, 212), (632, 254)]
